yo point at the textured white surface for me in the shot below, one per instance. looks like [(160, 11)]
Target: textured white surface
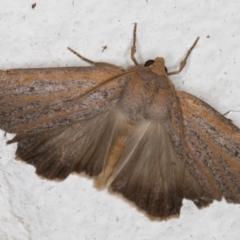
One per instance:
[(33, 208)]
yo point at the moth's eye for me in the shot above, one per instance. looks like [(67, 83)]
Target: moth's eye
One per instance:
[(148, 63), (151, 62)]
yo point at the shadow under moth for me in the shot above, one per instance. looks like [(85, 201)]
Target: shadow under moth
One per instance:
[(129, 130)]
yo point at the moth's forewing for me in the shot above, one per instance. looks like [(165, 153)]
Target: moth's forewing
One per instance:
[(44, 99), (44, 107), (213, 147)]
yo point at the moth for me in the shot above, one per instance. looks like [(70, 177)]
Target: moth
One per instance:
[(129, 130)]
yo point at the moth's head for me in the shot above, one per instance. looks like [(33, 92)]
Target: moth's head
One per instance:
[(157, 66)]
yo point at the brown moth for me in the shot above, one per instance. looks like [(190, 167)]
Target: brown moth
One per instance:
[(128, 129)]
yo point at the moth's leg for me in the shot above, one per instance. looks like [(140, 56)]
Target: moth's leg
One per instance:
[(225, 115), (95, 63), (133, 49), (229, 112), (184, 61)]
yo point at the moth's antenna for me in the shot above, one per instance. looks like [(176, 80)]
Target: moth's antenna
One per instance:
[(80, 56), (133, 49), (184, 61)]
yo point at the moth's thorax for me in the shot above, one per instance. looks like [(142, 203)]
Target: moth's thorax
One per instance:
[(148, 96), (158, 66)]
